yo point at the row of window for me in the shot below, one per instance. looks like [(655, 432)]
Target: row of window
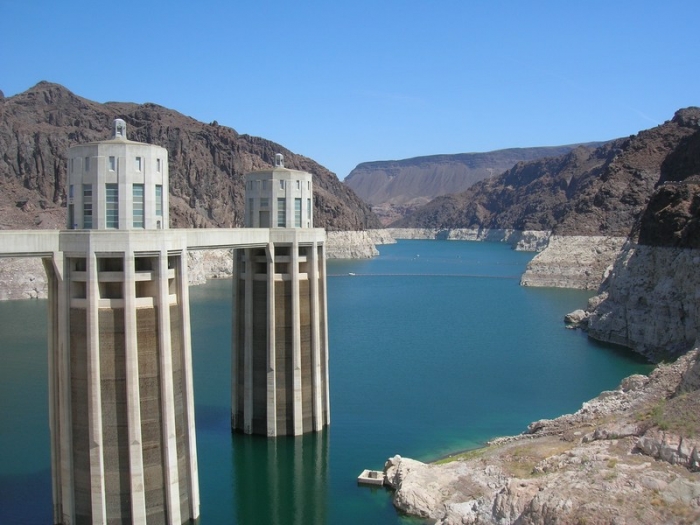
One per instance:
[(112, 164), (264, 212), (112, 205), (265, 184)]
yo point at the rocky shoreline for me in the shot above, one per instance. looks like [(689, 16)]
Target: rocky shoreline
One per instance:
[(623, 458)]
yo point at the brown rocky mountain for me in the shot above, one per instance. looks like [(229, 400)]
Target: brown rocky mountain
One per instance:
[(207, 162), (600, 191), (672, 217), (395, 187)]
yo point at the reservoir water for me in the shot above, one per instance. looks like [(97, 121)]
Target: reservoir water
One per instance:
[(434, 348)]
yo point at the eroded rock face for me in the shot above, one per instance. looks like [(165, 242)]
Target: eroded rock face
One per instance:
[(350, 245), (608, 463), (649, 302), (22, 278), (573, 262)]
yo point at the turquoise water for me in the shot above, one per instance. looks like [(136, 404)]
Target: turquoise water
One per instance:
[(434, 348)]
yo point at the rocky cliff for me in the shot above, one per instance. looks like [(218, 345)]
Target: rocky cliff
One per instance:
[(600, 191), (207, 162), (574, 261), (649, 302), (395, 187), (350, 245)]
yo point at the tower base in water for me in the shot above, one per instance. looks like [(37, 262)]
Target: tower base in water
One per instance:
[(280, 340)]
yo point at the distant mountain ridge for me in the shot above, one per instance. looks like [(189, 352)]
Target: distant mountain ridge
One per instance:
[(394, 187), (600, 191), (207, 162)]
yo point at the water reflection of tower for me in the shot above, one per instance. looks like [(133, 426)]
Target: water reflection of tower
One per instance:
[(121, 410), (282, 481), (280, 342)]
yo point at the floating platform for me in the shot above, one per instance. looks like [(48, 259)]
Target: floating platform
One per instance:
[(371, 477)]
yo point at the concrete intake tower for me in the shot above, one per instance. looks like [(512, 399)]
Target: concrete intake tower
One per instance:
[(280, 336), (122, 407)]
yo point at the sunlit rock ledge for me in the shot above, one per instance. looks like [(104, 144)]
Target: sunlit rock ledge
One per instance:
[(580, 262)]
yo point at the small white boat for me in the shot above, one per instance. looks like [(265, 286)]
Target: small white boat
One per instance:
[(351, 273)]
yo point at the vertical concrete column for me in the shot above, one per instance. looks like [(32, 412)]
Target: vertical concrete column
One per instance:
[(133, 396), (183, 301), (324, 341), (234, 341), (54, 343), (248, 345), (296, 340), (63, 375), (271, 341), (94, 393), (170, 470), (318, 389)]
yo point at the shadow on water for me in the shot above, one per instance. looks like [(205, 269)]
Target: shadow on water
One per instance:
[(282, 480), (621, 352)]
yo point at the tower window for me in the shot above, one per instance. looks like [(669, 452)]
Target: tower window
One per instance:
[(281, 184), (308, 209), (112, 206), (138, 164), (87, 206), (281, 213), (297, 213), (158, 165), (138, 205), (112, 163), (87, 164), (159, 200)]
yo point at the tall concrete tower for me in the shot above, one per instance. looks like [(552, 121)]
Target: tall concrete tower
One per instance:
[(280, 338), (122, 408)]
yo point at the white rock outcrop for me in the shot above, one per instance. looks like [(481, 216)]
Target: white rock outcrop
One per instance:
[(531, 241), (22, 278), (203, 265), (650, 301), (580, 262), (350, 245), (381, 236)]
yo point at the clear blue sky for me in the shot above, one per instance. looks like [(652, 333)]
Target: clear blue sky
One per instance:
[(345, 82)]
